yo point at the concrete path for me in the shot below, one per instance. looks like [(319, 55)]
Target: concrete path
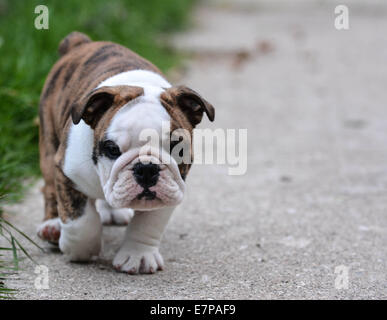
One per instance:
[(314, 198)]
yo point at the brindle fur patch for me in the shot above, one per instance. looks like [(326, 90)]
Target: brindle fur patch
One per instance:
[(71, 202)]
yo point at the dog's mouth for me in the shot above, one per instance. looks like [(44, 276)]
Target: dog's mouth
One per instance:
[(147, 194)]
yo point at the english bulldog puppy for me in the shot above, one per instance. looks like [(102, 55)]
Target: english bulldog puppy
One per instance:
[(96, 102)]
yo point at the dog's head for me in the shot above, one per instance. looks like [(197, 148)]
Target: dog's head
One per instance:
[(135, 171)]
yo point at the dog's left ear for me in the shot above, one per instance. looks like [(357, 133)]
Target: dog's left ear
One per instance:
[(92, 106), (190, 102)]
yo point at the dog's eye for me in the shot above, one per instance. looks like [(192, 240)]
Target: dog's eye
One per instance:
[(110, 149)]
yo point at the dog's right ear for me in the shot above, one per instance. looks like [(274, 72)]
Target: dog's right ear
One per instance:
[(92, 106), (190, 102)]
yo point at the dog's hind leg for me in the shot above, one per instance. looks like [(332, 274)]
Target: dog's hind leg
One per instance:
[(49, 230)]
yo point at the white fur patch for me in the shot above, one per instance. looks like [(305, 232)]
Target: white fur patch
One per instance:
[(80, 239), (140, 78), (145, 113), (78, 163)]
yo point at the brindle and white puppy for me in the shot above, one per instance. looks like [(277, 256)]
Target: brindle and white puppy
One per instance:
[(96, 100)]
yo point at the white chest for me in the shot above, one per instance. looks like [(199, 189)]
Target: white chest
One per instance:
[(78, 164)]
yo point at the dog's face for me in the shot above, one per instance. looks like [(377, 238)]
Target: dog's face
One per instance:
[(133, 172)]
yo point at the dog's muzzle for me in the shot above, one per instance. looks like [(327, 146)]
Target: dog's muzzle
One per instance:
[(144, 181)]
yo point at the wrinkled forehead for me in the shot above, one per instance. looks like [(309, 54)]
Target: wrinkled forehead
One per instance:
[(143, 116), (144, 110)]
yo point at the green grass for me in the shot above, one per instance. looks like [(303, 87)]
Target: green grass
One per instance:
[(10, 266), (27, 54)]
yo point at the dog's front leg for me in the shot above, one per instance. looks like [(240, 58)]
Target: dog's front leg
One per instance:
[(139, 252), (81, 228)]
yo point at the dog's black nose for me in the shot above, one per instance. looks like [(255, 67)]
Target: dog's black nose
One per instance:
[(146, 175)]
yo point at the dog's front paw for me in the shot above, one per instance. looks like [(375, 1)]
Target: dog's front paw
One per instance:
[(134, 258), (49, 230), (111, 216)]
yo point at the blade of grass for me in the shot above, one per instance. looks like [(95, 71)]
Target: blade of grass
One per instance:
[(21, 232), (14, 252), (14, 241), (24, 251)]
